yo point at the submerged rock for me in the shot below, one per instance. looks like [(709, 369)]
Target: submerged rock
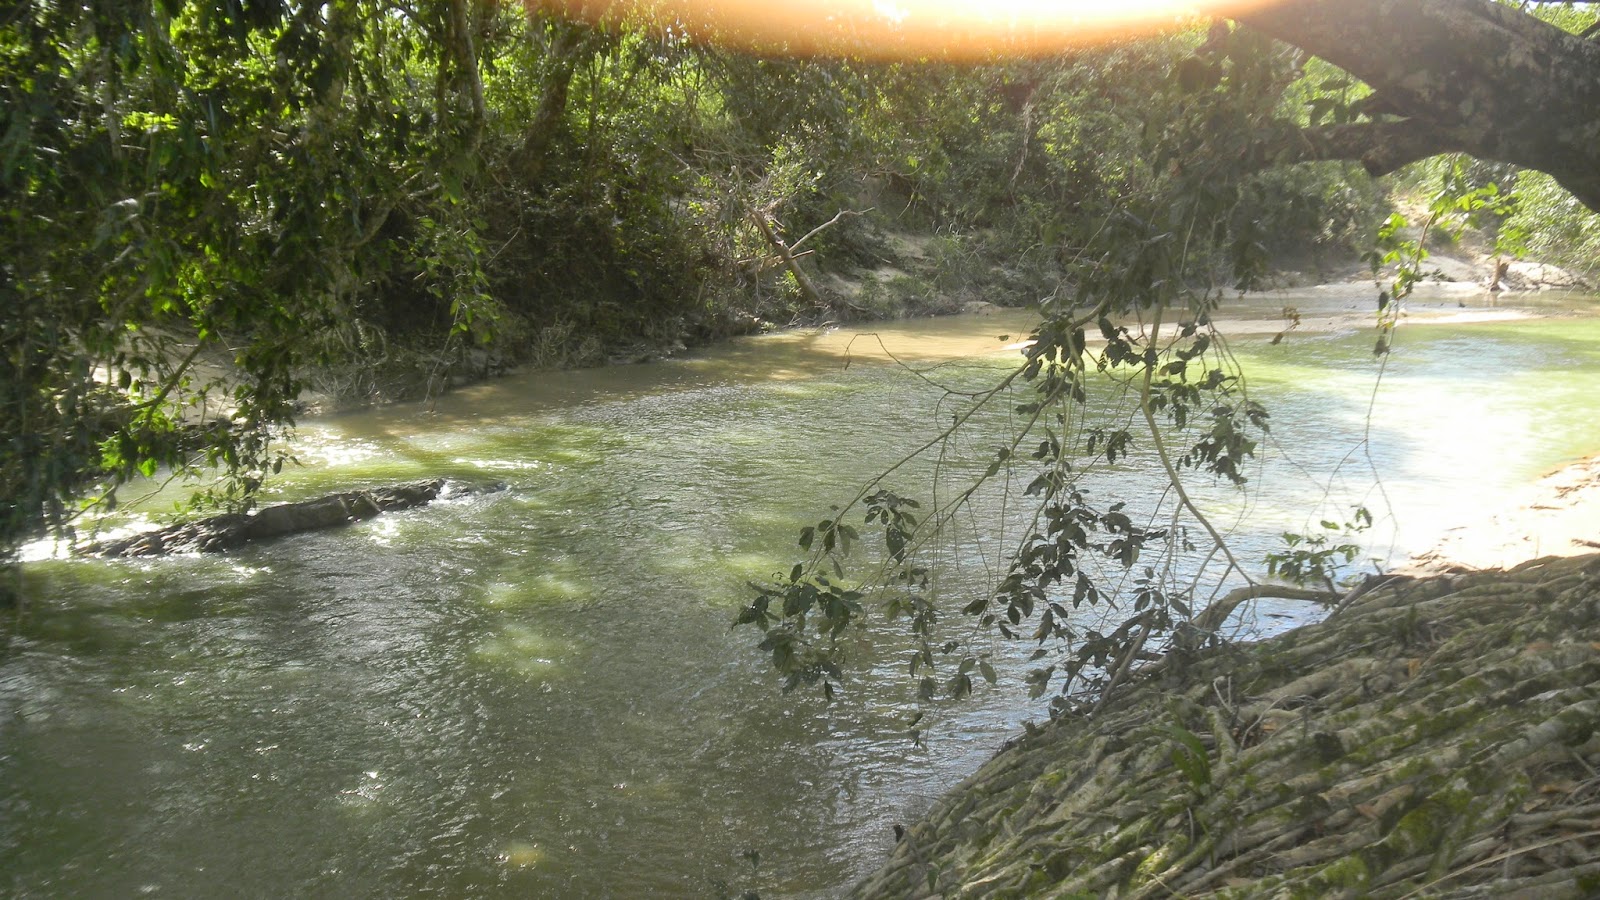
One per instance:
[(218, 533), (1440, 737)]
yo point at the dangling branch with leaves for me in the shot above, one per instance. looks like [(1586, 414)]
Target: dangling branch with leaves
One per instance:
[(1074, 554), (1094, 585)]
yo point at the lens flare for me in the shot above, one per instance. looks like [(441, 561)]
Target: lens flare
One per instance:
[(903, 29)]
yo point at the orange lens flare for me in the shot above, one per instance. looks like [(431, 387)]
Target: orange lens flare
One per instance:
[(903, 29)]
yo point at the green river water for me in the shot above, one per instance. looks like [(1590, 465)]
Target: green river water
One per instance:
[(536, 693)]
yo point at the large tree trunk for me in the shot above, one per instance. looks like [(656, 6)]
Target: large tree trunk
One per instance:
[(462, 52), (1452, 75), (569, 46)]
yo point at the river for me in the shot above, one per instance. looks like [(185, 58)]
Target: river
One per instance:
[(536, 692)]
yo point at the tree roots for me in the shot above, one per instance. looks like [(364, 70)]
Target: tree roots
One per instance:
[(1438, 738)]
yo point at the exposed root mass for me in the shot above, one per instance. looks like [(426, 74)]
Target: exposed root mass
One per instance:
[(1436, 739)]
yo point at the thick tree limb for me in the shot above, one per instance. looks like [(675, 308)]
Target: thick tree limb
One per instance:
[(569, 45), (1380, 147), (217, 534), (1494, 81), (825, 225), (458, 37), (1217, 613)]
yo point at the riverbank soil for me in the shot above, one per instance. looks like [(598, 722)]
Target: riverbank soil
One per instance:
[(1437, 738), (1560, 516)]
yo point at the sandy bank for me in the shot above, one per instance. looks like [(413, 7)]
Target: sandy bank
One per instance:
[(1559, 515), (1353, 306)]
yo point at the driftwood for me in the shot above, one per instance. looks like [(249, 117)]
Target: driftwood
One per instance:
[(1440, 737), (786, 253), (225, 532)]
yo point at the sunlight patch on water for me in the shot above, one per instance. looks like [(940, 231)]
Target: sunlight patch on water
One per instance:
[(500, 465), (384, 531), (50, 548), (748, 567), (808, 389), (522, 855), (320, 446), (522, 650), (564, 585), (365, 795)]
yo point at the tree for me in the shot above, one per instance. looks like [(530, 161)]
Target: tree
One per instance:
[(191, 188), (1445, 77), (1472, 76), (1477, 76), (286, 187), (208, 206)]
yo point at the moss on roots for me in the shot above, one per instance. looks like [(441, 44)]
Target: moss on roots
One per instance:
[(1438, 738)]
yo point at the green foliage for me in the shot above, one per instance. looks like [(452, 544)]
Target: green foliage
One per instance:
[(209, 207), (1152, 201), (202, 204), (1568, 16), (1394, 248), (1189, 757), (1525, 213), (1077, 553), (1316, 558), (206, 206), (1548, 224)]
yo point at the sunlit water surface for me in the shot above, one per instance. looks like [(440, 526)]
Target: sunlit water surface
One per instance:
[(536, 692)]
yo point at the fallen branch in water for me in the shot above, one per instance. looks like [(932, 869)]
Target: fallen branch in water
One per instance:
[(215, 534), (1214, 615)]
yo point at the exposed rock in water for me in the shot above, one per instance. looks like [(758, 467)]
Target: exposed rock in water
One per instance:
[(1437, 738), (1533, 276), (224, 532)]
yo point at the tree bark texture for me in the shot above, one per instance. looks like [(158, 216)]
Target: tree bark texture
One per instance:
[(569, 46), (460, 45), (764, 223), (1472, 76)]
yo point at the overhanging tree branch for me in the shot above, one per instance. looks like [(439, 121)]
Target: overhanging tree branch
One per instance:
[(1496, 82), (1380, 147)]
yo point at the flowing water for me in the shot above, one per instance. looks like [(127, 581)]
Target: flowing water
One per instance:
[(536, 692)]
